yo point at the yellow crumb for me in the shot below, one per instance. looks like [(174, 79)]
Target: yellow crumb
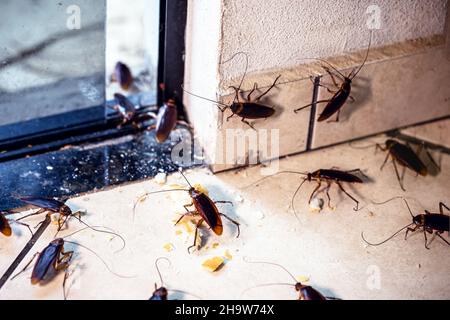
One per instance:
[(200, 188), (177, 186), (228, 255), (213, 264), (302, 279), (168, 247), (215, 245), (178, 232)]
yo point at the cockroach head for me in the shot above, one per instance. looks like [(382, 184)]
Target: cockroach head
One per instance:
[(65, 210), (390, 142), (299, 286), (419, 219), (171, 103), (58, 242)]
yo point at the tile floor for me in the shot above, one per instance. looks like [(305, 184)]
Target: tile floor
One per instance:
[(324, 247)]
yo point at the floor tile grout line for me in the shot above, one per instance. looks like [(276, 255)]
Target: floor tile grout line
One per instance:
[(24, 251)]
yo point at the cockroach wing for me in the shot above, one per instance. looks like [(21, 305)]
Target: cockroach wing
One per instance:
[(339, 175), (45, 260), (209, 212), (166, 122), (45, 203), (406, 156), (250, 110), (309, 293), (334, 105), (438, 222)]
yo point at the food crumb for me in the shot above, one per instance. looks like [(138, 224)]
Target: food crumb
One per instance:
[(169, 247), (302, 279), (316, 205), (215, 245), (228, 255), (213, 264), (161, 178)]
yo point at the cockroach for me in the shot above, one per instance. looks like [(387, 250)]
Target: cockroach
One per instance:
[(55, 206), (122, 75), (5, 226), (249, 108), (204, 206), (53, 259), (328, 175), (340, 97), (124, 107), (305, 292), (432, 223), (404, 156), (166, 121), (161, 293)]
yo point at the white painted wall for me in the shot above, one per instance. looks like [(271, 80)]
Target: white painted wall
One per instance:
[(280, 33)]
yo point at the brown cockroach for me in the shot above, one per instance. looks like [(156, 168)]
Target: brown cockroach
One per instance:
[(204, 207), (340, 97), (51, 206), (327, 175), (5, 226), (432, 223), (404, 156), (166, 121), (161, 293), (305, 292), (122, 75), (55, 258), (124, 107), (249, 108)]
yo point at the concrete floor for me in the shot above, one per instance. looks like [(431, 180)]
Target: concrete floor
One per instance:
[(326, 247)]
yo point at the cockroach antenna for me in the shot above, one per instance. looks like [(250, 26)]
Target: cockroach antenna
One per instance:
[(157, 268), (180, 170)]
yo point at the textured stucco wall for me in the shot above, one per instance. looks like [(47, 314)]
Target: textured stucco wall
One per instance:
[(279, 34)]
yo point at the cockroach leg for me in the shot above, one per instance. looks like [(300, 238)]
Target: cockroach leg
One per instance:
[(237, 224), (409, 229), (63, 264), (186, 206), (255, 86), (40, 211), (385, 161), (440, 236), (199, 223), (349, 195), (248, 123), (26, 266), (229, 117), (268, 90), (328, 194), (398, 175), (319, 183), (426, 239), (328, 89), (25, 225), (309, 105), (442, 206), (332, 75)]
